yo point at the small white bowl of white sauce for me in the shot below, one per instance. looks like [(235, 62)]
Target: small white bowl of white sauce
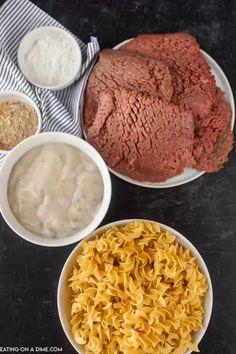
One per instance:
[(50, 57), (55, 189)]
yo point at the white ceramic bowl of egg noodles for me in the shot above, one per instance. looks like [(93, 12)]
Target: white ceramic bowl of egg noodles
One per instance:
[(39, 140), (64, 294)]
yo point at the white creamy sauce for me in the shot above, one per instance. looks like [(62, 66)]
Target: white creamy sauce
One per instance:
[(50, 61), (55, 190)]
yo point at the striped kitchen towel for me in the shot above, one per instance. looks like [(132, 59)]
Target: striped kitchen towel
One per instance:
[(60, 109)]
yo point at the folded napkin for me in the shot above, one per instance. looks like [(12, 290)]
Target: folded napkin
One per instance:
[(60, 109)]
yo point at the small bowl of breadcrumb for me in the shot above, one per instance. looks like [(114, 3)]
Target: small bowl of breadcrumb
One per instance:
[(20, 118)]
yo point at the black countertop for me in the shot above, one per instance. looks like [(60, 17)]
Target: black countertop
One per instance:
[(203, 210)]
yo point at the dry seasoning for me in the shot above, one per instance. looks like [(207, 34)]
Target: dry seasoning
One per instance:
[(17, 122)]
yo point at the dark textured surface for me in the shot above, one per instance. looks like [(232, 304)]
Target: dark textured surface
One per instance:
[(204, 210)]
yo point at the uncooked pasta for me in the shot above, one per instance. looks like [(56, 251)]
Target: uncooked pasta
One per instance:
[(136, 290)]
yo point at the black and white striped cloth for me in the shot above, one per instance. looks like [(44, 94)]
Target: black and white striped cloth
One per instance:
[(60, 109)]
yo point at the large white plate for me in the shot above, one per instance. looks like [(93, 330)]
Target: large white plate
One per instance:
[(189, 174)]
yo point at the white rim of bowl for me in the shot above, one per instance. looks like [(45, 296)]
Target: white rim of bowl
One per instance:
[(22, 97), (75, 44), (180, 238), (198, 174), (38, 140)]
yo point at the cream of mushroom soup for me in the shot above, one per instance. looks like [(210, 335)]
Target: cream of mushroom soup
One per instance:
[(55, 190)]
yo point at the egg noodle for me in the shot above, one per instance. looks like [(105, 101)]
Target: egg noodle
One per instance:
[(136, 290)]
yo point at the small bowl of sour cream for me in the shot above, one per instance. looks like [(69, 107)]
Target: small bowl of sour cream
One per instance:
[(55, 189), (50, 57)]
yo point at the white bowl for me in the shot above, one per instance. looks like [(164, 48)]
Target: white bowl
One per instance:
[(19, 96), (29, 144), (63, 291), (39, 33)]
